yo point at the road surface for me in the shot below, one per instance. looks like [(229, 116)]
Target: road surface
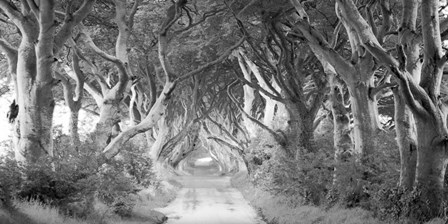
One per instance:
[(209, 200)]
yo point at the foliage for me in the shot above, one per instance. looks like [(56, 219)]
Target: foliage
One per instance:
[(306, 178), (309, 179), (358, 183), (10, 180), (72, 179), (399, 203), (278, 208)]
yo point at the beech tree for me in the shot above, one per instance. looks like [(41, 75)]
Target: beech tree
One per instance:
[(112, 94), (43, 35), (357, 73), (423, 98), (421, 95), (73, 96)]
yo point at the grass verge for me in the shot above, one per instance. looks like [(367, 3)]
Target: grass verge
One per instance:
[(34, 212), (279, 209)]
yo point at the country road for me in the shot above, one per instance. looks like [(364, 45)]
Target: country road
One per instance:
[(209, 200)]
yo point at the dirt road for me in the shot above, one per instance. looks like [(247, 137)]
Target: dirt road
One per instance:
[(209, 200)]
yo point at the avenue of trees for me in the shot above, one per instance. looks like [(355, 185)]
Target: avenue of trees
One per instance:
[(336, 101)]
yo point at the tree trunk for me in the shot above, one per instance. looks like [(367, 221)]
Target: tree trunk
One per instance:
[(269, 112), (300, 131), (149, 139), (406, 140), (73, 128), (404, 120), (109, 116), (431, 165), (341, 123), (269, 109), (187, 145), (249, 98), (36, 107), (365, 115), (162, 136)]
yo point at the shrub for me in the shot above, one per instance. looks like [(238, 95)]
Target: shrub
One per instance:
[(305, 179), (10, 180), (399, 203), (72, 179)]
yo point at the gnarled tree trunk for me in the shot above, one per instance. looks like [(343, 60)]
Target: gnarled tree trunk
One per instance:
[(406, 140), (365, 116), (35, 98), (404, 119), (341, 123), (36, 55)]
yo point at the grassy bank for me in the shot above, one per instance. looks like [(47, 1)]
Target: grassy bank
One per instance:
[(34, 212), (280, 210)]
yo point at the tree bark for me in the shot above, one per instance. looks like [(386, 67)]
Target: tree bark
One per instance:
[(73, 128), (365, 116), (404, 120), (431, 166), (249, 98), (341, 123), (188, 145), (406, 140), (155, 149), (30, 147), (300, 130), (35, 98)]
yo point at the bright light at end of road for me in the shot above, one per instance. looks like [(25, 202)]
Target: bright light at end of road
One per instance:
[(205, 160)]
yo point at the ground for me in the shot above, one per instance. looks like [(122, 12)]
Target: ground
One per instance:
[(209, 199)]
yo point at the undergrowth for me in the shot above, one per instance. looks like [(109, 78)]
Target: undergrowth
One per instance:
[(280, 209), (70, 184), (314, 188)]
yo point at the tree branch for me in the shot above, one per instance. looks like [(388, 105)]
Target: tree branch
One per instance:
[(68, 90), (11, 12), (221, 58), (123, 75), (70, 21), (321, 47), (11, 55), (225, 131), (257, 87), (133, 12), (263, 82), (223, 142), (276, 136)]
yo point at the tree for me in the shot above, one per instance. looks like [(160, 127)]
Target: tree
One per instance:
[(357, 73), (42, 37), (73, 96), (112, 94), (423, 98)]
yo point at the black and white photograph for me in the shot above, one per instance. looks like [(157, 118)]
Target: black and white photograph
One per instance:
[(223, 111)]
